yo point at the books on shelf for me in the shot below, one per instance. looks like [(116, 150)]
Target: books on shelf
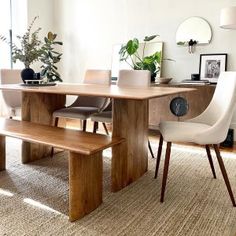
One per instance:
[(189, 81)]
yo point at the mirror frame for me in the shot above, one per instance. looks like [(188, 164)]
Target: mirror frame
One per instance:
[(198, 42), (117, 65)]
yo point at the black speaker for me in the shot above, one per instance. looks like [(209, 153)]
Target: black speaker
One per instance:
[(229, 141), (195, 77)]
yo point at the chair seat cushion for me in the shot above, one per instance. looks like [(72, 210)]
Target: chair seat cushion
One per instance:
[(174, 131), (82, 113), (105, 117)]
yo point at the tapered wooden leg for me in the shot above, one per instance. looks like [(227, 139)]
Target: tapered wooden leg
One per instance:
[(105, 128), (159, 155), (84, 125), (150, 149), (95, 126), (165, 173), (55, 123), (210, 161), (85, 184), (130, 158), (38, 108), (2, 153), (224, 173)]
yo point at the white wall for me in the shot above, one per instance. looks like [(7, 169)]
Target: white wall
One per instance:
[(89, 28), (44, 9)]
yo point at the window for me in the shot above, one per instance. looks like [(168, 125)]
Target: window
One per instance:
[(13, 17)]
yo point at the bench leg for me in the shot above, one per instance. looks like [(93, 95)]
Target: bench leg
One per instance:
[(2, 153), (85, 184)]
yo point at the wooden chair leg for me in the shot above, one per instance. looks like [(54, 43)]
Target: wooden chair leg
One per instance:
[(208, 151), (150, 149), (55, 123), (95, 126), (105, 128), (165, 172), (158, 156), (84, 125), (224, 173), (2, 153)]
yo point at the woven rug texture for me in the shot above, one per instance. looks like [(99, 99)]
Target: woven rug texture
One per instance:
[(34, 198)]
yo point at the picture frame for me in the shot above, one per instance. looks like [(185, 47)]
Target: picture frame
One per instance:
[(211, 65)]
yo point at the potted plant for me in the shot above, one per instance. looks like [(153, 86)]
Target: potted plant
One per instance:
[(32, 49), (129, 53), (28, 51), (49, 57)]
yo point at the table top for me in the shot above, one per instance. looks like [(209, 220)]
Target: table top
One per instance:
[(112, 91)]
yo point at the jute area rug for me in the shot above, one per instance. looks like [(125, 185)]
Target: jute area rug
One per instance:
[(34, 198)]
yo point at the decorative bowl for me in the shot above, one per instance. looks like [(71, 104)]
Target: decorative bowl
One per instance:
[(164, 80)]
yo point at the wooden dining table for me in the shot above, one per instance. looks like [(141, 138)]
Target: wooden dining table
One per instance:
[(130, 121)]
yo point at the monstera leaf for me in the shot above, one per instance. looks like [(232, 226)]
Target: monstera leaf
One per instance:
[(132, 46), (130, 54)]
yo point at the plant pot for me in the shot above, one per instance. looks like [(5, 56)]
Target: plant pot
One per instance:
[(27, 74), (153, 77)]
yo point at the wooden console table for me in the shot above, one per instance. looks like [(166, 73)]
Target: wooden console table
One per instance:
[(198, 100)]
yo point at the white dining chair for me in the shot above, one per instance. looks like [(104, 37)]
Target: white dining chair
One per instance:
[(84, 106), (12, 99), (134, 78), (209, 128)]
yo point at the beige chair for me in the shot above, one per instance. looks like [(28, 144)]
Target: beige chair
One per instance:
[(138, 78), (83, 107), (11, 98), (209, 128)]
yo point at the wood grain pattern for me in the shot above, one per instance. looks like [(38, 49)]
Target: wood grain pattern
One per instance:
[(85, 184), (129, 159), (111, 91), (2, 153), (198, 100), (38, 108), (72, 140), (159, 109)]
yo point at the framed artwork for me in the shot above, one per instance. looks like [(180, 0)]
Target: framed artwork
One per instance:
[(211, 65)]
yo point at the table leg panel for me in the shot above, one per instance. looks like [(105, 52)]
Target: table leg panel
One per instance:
[(129, 159), (38, 108)]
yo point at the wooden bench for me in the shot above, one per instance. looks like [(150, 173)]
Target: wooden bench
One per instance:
[(85, 159)]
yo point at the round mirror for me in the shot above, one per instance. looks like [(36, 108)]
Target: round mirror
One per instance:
[(194, 29)]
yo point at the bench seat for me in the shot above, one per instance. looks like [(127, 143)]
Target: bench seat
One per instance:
[(85, 159), (71, 140)]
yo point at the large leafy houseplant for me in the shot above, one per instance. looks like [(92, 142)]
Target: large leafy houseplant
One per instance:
[(29, 50), (129, 53), (32, 49), (49, 57)]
